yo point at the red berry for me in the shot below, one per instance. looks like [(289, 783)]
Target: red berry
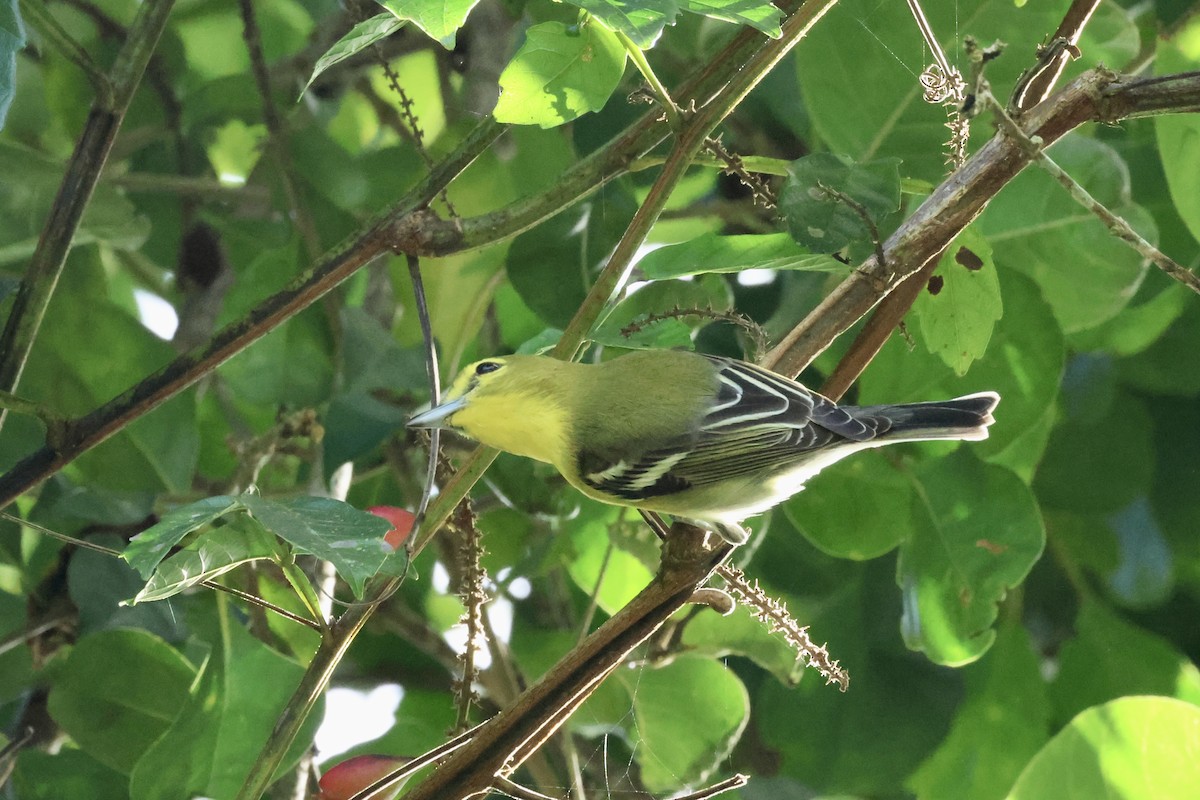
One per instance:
[(402, 523)]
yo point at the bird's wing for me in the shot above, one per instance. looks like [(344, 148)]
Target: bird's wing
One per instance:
[(758, 422)]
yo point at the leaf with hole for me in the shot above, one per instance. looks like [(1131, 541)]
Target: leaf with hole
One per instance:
[(979, 536), (957, 322)]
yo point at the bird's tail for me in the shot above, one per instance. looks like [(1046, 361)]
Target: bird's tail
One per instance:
[(965, 418)]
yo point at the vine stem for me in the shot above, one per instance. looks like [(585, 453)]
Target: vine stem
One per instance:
[(83, 171)]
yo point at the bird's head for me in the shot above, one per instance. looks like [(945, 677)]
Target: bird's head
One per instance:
[(470, 389), (514, 403)]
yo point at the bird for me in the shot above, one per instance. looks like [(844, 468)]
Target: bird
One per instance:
[(708, 439)]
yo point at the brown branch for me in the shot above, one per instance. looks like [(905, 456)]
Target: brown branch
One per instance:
[(502, 743), (88, 431), (1034, 86), (885, 319)]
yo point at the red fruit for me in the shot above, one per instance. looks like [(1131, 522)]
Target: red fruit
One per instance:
[(351, 776), (402, 523)]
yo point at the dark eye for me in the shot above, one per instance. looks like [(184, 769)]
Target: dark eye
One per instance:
[(485, 367)]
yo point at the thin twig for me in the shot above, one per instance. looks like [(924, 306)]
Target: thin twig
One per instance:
[(727, 785), (515, 790), (435, 396), (886, 317), (474, 597), (17, 638)]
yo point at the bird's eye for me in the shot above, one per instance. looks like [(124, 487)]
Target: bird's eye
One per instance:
[(485, 367)]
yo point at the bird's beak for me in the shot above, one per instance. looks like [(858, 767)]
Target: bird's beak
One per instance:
[(438, 416)]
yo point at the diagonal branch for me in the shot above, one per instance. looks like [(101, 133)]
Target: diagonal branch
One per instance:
[(83, 171)]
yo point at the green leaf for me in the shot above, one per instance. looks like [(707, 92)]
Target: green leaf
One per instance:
[(26, 194), (741, 634), (1023, 363), (212, 554), (1086, 274), (68, 773), (17, 674), (674, 748), (830, 512), (1109, 657), (100, 584), (1132, 748), (641, 20), (441, 19), (157, 451), (957, 322), (1001, 724), (350, 539), (1178, 135), (1117, 473), (151, 546), (12, 39), (559, 74), (597, 565), (824, 222), (982, 536), (359, 38), (119, 691), (762, 16), (872, 737), (711, 252), (357, 420), (269, 372), (1170, 366), (210, 748), (552, 266)]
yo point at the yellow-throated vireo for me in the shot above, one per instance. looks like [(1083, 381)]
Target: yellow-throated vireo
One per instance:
[(706, 438)]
